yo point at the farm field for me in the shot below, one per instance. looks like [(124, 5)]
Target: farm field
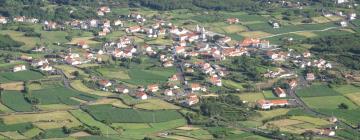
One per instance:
[(88, 120), (112, 101), (13, 135), (119, 115), (316, 91), (327, 102), (233, 84), (13, 86), (68, 70), (347, 89), (144, 77), (50, 120), (113, 73), (251, 97), (60, 95), (54, 107), (32, 132), (78, 85), (15, 100), (156, 104), (21, 75)]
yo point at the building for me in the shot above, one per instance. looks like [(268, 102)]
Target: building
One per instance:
[(327, 132), (268, 104), (192, 99), (343, 24), (121, 89), (3, 20), (232, 20), (19, 68), (46, 67), (141, 95), (292, 83), (169, 92), (153, 88), (310, 77), (133, 29), (104, 84), (279, 92)]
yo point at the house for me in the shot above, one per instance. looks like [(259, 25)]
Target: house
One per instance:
[(306, 54), (174, 77), (38, 63), (276, 25), (169, 92), (19, 19), (49, 25), (141, 95), (343, 24), (215, 80), (121, 89), (104, 84), (232, 20), (19, 68), (46, 67), (102, 33), (197, 87), (310, 76), (83, 44), (292, 83), (179, 49), (153, 88), (249, 42), (3, 20), (118, 23), (333, 119), (352, 16), (168, 64), (94, 23), (327, 132), (279, 92), (26, 58), (267, 104), (341, 1), (133, 29), (192, 99), (104, 9)]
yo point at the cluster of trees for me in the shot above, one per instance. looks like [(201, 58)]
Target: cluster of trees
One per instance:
[(344, 47)]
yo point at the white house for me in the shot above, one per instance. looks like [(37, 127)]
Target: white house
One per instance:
[(141, 95), (280, 92), (19, 68)]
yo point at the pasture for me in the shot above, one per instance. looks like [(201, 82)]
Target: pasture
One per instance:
[(60, 95), (255, 34), (251, 97), (113, 73), (316, 91), (78, 85), (111, 101), (21, 75), (15, 100), (156, 104), (49, 120), (13, 135), (327, 102), (13, 86), (88, 120), (347, 89), (140, 76), (234, 29), (119, 115), (68, 70)]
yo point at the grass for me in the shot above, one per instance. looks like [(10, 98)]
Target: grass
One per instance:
[(113, 102), (327, 102), (54, 107), (60, 95), (349, 116), (15, 100), (347, 89), (55, 133), (5, 109), (32, 132), (316, 91), (119, 115), (255, 34), (13, 86), (251, 97), (13, 135), (195, 134), (113, 73), (306, 34), (234, 28), (20, 127), (156, 104), (30, 42), (88, 120), (50, 120), (88, 40), (21, 75), (271, 114), (68, 70), (354, 97), (232, 84), (268, 94), (78, 85), (144, 77)]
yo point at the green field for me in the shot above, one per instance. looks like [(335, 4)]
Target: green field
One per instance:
[(21, 127), (60, 95), (16, 101), (119, 115), (144, 77), (347, 89), (316, 91), (21, 75), (113, 73), (88, 120), (327, 102)]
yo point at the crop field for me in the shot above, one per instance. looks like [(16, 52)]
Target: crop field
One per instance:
[(234, 29), (20, 127), (21, 75), (254, 34), (233, 84), (15, 100), (144, 77), (271, 114), (140, 130), (30, 42), (113, 73), (251, 97), (299, 124), (111, 101), (88, 40), (307, 34), (50, 120), (195, 134), (60, 95), (119, 115), (32, 132), (354, 97), (349, 116), (347, 89), (5, 109), (156, 104), (320, 19), (68, 70), (316, 91), (13, 86), (78, 85), (88, 120), (53, 107), (327, 102), (13, 135)]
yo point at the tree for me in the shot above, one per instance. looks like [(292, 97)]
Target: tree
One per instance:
[(343, 106)]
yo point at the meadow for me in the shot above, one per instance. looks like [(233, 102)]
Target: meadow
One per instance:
[(316, 91), (15, 100), (21, 75), (78, 85), (327, 102), (118, 115), (145, 77)]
